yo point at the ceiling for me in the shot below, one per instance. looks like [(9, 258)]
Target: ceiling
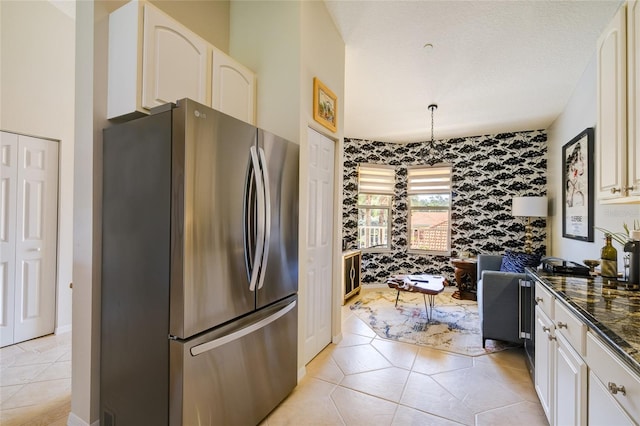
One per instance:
[(491, 67)]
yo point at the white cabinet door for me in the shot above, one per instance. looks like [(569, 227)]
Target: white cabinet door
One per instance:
[(544, 361), (31, 245), (570, 407), (233, 87), (175, 61), (611, 139), (603, 409), (633, 93)]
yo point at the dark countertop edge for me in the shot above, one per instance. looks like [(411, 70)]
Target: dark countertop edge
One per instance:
[(593, 324)]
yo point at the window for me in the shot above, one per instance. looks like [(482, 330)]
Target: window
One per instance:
[(375, 195), (429, 192)]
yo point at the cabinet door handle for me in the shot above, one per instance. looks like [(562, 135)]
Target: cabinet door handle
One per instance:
[(629, 188), (561, 324), (546, 329), (614, 389), (614, 190), (539, 300), (551, 337)]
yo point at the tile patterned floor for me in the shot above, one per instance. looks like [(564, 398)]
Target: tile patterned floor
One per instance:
[(363, 380), (367, 380), (35, 381)]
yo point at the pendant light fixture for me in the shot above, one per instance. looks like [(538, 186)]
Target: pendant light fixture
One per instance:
[(432, 108)]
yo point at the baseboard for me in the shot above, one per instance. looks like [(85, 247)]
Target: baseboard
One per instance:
[(74, 420), (63, 329), (302, 371), (336, 339), (374, 286)]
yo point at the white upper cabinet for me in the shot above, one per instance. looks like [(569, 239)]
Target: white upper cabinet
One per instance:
[(233, 87), (175, 61), (618, 155), (154, 59)]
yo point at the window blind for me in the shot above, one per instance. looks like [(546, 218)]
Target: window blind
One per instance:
[(429, 180), (376, 179)]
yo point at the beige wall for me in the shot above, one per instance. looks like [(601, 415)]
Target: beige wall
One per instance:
[(579, 114), (287, 44), (37, 98)]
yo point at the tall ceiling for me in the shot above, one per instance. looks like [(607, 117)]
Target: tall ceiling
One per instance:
[(490, 66)]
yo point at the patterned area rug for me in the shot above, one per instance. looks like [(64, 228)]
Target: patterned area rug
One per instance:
[(454, 325)]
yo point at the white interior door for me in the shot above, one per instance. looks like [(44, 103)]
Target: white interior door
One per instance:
[(8, 198), (319, 243), (31, 243)]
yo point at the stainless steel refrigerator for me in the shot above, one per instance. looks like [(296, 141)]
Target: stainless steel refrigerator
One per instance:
[(199, 270)]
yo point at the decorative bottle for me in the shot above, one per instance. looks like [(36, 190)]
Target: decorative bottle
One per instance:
[(609, 259)]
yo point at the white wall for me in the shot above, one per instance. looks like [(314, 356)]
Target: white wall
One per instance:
[(287, 44), (579, 114), (37, 98)]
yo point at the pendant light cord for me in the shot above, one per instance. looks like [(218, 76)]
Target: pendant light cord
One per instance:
[(432, 107)]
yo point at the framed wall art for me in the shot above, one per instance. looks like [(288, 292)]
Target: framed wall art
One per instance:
[(577, 194), (325, 105)]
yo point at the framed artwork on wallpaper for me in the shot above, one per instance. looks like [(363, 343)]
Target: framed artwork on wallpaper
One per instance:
[(577, 194), (325, 105)]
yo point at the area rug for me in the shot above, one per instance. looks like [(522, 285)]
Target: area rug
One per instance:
[(454, 324)]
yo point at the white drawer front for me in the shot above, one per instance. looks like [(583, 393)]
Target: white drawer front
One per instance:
[(571, 328), (614, 375), (544, 299)]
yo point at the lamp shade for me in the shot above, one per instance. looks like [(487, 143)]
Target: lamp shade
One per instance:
[(529, 206)]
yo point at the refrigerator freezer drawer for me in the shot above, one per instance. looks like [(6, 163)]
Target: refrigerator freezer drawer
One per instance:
[(237, 374)]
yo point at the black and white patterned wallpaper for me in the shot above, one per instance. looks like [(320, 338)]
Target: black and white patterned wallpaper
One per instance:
[(488, 171)]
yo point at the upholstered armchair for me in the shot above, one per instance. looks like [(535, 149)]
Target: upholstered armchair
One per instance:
[(498, 305)]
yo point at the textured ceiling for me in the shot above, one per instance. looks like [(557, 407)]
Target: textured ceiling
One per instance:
[(495, 66)]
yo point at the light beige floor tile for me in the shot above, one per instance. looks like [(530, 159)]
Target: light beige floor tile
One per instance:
[(52, 413), (324, 367), (478, 391), (524, 413), (7, 392), (433, 361), (46, 343), (36, 357), (406, 416), (66, 356), (514, 379), (355, 325), (22, 374), (358, 359), (513, 358), (57, 370), (38, 393), (309, 404), (359, 409), (8, 354), (387, 383), (425, 394), (349, 339), (399, 354)]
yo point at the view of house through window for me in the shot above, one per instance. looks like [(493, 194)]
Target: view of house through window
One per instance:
[(429, 192), (375, 195)]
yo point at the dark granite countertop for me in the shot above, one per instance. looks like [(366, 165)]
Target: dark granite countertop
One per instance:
[(607, 306)]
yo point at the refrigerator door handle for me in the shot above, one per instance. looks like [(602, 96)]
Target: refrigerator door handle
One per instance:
[(205, 347), (267, 213), (255, 272)]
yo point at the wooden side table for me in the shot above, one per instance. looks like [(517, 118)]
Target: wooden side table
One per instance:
[(466, 277)]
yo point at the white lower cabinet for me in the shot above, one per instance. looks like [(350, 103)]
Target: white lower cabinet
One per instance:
[(570, 385), (544, 371), (604, 410)]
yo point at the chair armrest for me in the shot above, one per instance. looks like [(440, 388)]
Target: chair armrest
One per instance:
[(499, 278), (489, 262)]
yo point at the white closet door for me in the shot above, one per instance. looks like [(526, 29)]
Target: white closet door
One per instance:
[(319, 244), (9, 161), (36, 238)]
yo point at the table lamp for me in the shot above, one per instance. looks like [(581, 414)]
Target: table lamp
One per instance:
[(529, 207)]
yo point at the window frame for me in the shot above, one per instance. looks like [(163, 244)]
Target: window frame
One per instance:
[(390, 191), (411, 209)]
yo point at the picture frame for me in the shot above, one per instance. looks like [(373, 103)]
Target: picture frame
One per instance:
[(325, 105), (577, 194)]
